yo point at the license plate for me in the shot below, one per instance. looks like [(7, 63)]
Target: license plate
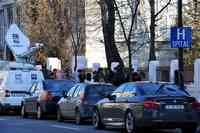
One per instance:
[(174, 107)]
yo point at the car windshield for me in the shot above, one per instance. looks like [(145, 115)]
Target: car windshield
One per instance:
[(100, 90), (58, 85)]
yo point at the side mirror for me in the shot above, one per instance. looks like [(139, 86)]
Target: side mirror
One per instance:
[(111, 97)]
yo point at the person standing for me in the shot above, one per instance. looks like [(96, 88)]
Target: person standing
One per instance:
[(81, 76), (136, 77), (88, 78)]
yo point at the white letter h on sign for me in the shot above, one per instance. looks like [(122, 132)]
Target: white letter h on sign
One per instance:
[(180, 34)]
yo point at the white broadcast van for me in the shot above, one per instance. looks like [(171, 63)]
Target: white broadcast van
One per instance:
[(15, 81)]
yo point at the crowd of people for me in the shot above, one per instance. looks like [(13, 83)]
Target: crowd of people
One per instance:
[(116, 76)]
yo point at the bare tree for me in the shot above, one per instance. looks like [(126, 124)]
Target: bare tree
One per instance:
[(129, 32), (76, 27), (108, 23), (154, 16)]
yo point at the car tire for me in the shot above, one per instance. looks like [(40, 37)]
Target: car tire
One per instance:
[(1, 109), (189, 130), (96, 120), (129, 123), (40, 114), (78, 118), (60, 118), (23, 112)]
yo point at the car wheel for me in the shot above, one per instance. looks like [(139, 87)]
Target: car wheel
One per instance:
[(78, 118), (23, 112), (189, 130), (59, 116), (40, 114), (130, 123), (96, 120), (1, 110)]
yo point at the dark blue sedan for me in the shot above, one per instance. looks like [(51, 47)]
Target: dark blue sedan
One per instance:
[(146, 105)]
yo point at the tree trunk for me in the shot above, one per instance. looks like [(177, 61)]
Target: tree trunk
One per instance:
[(75, 59), (152, 51), (108, 22), (129, 59)]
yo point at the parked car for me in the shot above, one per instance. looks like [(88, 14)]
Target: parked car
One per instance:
[(79, 101), (44, 96), (146, 105)]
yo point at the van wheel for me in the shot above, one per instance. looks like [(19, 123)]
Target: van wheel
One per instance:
[(78, 118), (60, 118), (40, 114), (23, 112)]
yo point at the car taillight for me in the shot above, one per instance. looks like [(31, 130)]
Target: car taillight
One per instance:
[(196, 105), (7, 93), (47, 96), (151, 104)]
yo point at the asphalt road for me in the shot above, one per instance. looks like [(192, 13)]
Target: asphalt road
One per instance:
[(14, 124)]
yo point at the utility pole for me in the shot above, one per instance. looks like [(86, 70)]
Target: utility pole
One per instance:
[(180, 50)]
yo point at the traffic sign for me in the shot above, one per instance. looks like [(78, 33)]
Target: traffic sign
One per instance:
[(181, 37)]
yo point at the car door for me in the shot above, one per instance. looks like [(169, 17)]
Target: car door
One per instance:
[(33, 99), (108, 108), (129, 92), (75, 100), (66, 105)]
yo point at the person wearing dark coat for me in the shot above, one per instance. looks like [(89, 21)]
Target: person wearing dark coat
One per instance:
[(81, 76), (136, 77)]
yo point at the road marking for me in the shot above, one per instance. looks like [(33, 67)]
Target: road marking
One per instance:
[(65, 127), (2, 119)]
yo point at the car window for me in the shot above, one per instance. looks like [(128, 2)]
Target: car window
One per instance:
[(33, 87), (77, 92), (118, 92), (172, 90), (71, 91), (99, 91), (38, 88), (129, 91)]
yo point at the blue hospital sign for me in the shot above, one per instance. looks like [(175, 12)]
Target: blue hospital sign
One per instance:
[(181, 37)]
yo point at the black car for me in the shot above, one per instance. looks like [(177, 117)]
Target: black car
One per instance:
[(146, 105), (79, 102), (44, 96)]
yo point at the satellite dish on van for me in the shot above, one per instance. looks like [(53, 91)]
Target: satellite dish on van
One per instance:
[(17, 41)]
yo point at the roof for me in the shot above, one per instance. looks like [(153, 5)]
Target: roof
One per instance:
[(96, 83), (146, 82)]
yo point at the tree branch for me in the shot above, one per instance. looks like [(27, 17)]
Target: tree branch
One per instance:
[(120, 19), (168, 3), (133, 18)]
